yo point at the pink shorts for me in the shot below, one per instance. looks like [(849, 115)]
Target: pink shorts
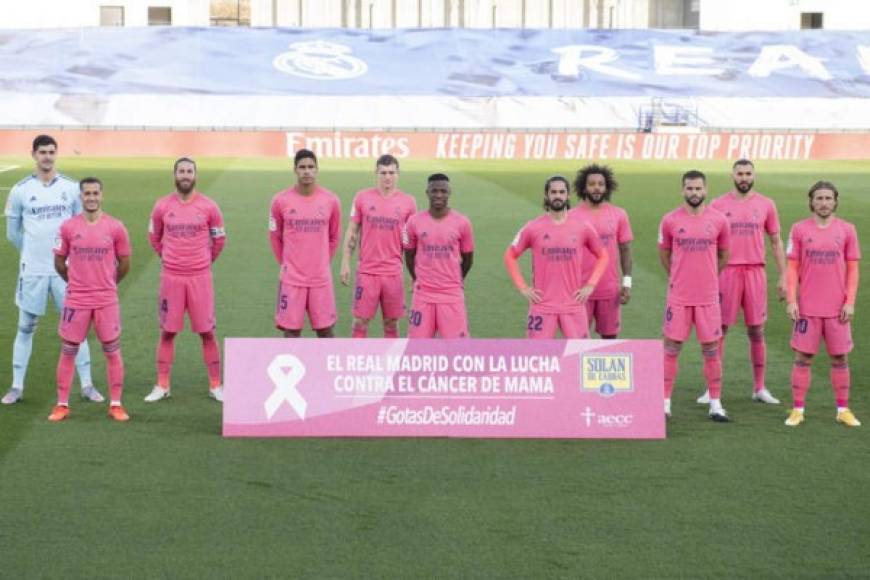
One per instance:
[(386, 291), (295, 301), (449, 320), (808, 333), (75, 323), (707, 320), (743, 287), (545, 324), (193, 294), (605, 313)]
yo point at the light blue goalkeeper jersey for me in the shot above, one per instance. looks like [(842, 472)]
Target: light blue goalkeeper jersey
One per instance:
[(34, 212)]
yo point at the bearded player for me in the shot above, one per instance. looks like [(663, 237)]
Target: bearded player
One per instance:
[(594, 186), (823, 255), (560, 286), (693, 248), (743, 283), (187, 232)]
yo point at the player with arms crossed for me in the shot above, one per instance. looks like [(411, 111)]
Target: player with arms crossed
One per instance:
[(304, 224), (92, 254), (187, 232), (743, 282), (693, 247), (377, 218), (439, 251), (823, 255), (594, 186), (560, 286), (35, 210)]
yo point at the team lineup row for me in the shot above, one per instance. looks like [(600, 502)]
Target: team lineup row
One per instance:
[(714, 256)]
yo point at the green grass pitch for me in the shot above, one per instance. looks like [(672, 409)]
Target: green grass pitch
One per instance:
[(166, 496)]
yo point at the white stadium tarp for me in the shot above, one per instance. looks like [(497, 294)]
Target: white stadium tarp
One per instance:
[(189, 78)]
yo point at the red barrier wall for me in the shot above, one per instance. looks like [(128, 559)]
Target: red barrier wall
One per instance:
[(452, 145)]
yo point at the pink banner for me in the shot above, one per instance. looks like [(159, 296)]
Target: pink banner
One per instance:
[(443, 388)]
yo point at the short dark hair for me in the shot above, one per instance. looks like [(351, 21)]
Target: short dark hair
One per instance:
[(694, 174), (88, 180), (550, 180), (610, 183), (547, 183), (181, 160), (437, 177), (42, 141), (743, 161), (386, 160), (304, 154)]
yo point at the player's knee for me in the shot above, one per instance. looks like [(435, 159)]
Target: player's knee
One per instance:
[(357, 321), (802, 359), (672, 347), (391, 323), (710, 349), (839, 361), (112, 347), (27, 325), (167, 336), (69, 348), (324, 332), (755, 333), (289, 333), (207, 336)]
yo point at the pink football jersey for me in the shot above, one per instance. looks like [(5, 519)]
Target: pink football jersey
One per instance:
[(439, 245), (381, 220), (694, 242), (613, 228), (751, 219), (189, 235), (92, 252), (304, 231), (558, 260), (822, 254)]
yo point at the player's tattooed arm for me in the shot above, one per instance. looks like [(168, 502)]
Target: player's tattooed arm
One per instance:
[(351, 238), (467, 261)]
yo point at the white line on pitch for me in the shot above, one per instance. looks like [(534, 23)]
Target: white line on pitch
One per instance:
[(8, 168)]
